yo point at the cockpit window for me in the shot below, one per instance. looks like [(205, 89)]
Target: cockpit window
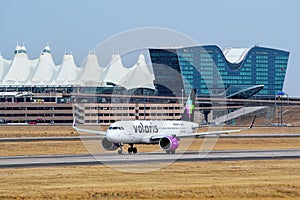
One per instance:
[(116, 128)]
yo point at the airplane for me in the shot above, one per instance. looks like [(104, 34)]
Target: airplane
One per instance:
[(165, 133)]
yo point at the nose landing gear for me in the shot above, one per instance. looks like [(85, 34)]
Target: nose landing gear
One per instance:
[(120, 151), (131, 149)]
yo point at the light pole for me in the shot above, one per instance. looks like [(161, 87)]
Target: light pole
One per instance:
[(280, 113)]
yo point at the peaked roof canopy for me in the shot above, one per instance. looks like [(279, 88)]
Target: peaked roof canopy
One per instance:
[(68, 71), (137, 76), (46, 71), (91, 70), (21, 68)]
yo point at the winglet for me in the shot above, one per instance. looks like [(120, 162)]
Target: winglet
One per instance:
[(251, 125)]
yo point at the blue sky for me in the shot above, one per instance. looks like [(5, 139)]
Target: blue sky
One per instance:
[(80, 25)]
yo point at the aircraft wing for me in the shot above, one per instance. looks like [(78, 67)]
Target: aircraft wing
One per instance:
[(199, 134), (103, 133), (208, 133)]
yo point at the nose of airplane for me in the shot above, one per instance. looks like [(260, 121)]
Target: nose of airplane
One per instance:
[(113, 136), (109, 135)]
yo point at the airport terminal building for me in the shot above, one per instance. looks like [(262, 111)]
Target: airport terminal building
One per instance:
[(234, 72), (39, 90)]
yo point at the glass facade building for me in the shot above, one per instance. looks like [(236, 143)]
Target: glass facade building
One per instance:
[(167, 72), (215, 72)]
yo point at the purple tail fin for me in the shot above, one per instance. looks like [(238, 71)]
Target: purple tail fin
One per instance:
[(189, 108)]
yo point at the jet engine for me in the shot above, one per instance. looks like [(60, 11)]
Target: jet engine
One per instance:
[(109, 146), (169, 144)]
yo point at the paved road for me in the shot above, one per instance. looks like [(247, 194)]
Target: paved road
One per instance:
[(113, 158)]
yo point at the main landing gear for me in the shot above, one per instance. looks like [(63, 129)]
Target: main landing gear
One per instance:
[(131, 149)]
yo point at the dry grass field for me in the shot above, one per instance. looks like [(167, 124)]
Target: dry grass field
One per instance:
[(9, 131), (278, 179)]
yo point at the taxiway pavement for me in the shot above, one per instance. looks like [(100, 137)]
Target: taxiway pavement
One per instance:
[(113, 158)]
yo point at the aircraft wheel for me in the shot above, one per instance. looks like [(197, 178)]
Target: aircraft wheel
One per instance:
[(173, 152), (168, 152), (134, 150), (120, 152), (130, 150)]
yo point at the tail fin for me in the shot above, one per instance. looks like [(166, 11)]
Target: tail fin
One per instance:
[(189, 108)]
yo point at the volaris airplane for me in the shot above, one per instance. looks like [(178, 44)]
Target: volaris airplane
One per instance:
[(165, 133)]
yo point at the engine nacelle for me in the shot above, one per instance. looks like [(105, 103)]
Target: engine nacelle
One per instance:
[(169, 143), (109, 146)]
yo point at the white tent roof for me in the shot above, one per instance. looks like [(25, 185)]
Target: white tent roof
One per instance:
[(91, 71), (21, 68), (139, 75), (115, 71), (46, 71), (143, 78), (4, 67), (68, 71), (235, 55), (22, 71)]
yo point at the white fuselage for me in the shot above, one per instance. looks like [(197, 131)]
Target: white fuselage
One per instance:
[(142, 132)]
